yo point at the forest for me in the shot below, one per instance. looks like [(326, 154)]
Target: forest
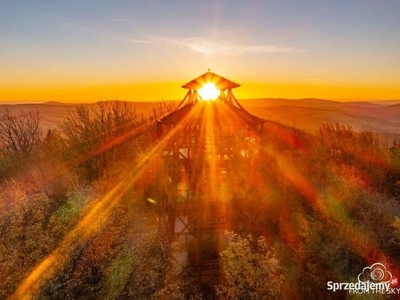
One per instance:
[(75, 223)]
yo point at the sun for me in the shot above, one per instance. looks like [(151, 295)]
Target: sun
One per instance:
[(209, 92)]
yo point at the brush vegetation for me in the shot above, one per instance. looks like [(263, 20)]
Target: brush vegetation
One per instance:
[(331, 198)]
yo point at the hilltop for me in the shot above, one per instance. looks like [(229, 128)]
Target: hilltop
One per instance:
[(307, 114)]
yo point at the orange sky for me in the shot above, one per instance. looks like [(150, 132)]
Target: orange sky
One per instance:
[(173, 91), (145, 50)]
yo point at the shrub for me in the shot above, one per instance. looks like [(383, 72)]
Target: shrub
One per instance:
[(251, 271)]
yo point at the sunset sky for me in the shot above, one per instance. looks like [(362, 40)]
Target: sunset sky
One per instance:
[(145, 50)]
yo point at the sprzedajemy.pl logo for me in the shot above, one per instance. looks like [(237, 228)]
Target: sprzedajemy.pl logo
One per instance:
[(374, 279)]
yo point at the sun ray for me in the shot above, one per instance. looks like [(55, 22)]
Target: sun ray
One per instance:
[(209, 91), (210, 185), (90, 224)]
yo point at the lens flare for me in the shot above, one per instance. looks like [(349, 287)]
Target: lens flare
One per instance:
[(209, 92)]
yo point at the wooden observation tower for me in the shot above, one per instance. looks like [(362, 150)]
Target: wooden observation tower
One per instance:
[(210, 151)]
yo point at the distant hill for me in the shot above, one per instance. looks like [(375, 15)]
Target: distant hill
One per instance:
[(52, 112), (386, 102), (307, 114)]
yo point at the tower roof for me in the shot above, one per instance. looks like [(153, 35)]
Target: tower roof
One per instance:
[(220, 82), (224, 109), (221, 113)]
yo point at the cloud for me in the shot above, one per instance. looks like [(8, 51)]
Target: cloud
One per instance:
[(140, 41), (120, 20), (210, 47)]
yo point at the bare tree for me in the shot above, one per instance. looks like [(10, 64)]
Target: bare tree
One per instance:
[(99, 134), (19, 134)]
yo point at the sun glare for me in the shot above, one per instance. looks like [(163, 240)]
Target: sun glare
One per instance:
[(209, 91)]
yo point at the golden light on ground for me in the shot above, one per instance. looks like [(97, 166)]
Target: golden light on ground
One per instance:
[(93, 221), (209, 92), (326, 204)]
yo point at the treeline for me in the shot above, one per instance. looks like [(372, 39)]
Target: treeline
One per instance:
[(51, 182), (329, 201)]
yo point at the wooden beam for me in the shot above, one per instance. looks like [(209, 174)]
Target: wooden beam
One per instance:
[(183, 101)]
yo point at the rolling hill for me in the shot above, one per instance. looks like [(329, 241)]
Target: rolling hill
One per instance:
[(307, 114)]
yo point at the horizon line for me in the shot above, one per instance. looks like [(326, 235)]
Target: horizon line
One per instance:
[(74, 102)]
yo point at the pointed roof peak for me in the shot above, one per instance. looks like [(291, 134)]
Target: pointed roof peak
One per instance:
[(220, 82)]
